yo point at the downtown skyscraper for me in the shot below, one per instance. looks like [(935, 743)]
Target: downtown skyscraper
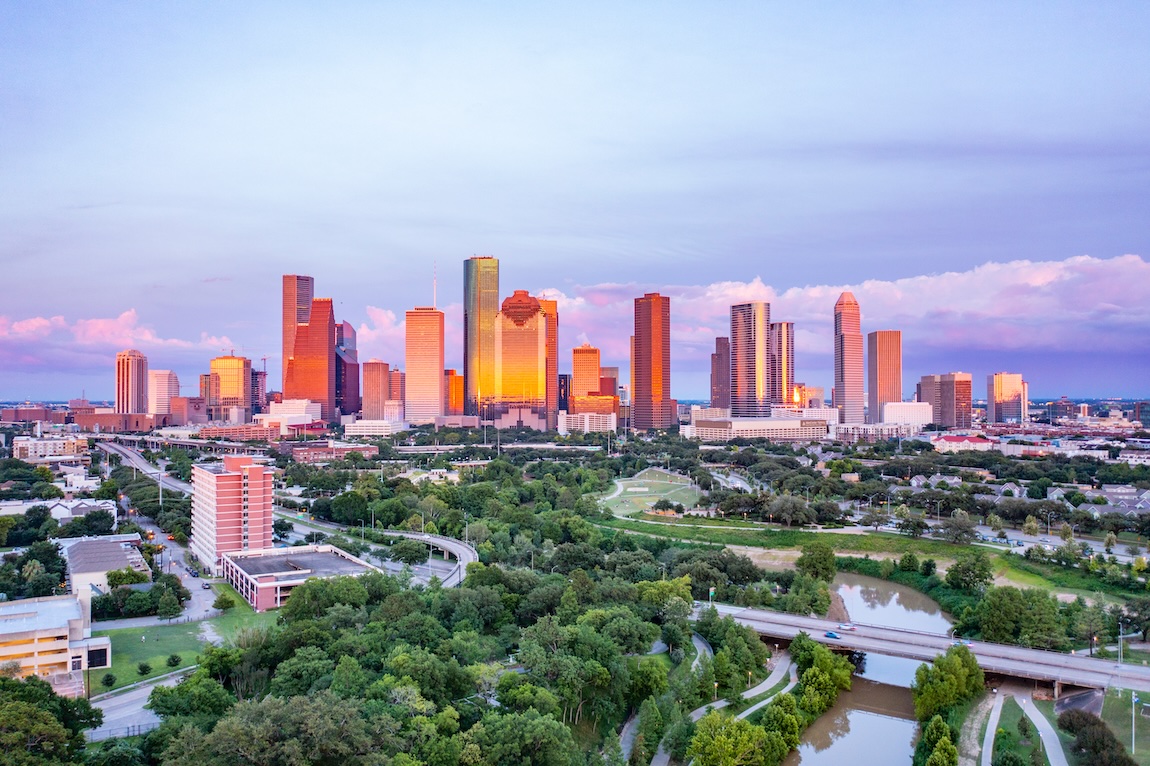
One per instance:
[(584, 370), (131, 382), (522, 339), (423, 378), (311, 366), (480, 306), (651, 403), (949, 396), (1007, 398), (721, 374), (751, 388), (848, 359), (783, 363), (297, 294), (884, 371)]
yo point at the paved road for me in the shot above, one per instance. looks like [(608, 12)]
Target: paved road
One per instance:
[(126, 710), (130, 457), (992, 729), (996, 658), (702, 649)]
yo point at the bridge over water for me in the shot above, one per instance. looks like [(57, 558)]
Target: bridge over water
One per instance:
[(1053, 667)]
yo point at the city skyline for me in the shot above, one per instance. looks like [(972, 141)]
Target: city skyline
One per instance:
[(974, 178)]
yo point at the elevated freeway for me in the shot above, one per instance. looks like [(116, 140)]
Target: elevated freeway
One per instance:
[(1016, 661)]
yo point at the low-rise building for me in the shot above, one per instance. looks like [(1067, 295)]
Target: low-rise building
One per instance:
[(373, 428), (326, 452), (588, 422), (66, 449), (50, 637), (265, 578), (776, 429), (89, 560)]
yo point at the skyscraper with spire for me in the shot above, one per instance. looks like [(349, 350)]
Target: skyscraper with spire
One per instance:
[(848, 359), (480, 305)]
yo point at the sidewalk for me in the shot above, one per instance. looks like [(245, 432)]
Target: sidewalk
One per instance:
[(992, 729), (1050, 741)]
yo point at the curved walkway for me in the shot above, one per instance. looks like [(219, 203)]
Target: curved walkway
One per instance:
[(1050, 741), (663, 758), (702, 649)]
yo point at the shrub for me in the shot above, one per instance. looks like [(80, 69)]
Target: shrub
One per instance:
[(143, 668), (223, 602), (108, 681), (174, 660)]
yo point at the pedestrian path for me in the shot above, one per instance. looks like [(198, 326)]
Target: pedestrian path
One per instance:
[(1050, 741), (991, 729)]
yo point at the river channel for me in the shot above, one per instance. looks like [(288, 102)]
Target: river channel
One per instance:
[(873, 724)]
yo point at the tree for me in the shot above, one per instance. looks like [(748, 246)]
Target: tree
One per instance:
[(409, 552), (933, 732), (224, 602), (790, 509), (126, 576), (817, 561), (970, 573), (168, 606), (281, 528), (960, 528), (196, 695), (913, 526), (722, 740), (875, 517), (143, 668), (174, 660), (944, 754), (1111, 541), (108, 680), (1030, 526), (1066, 532), (995, 522)]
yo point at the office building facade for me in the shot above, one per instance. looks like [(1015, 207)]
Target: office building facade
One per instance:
[(131, 382), (751, 384), (423, 378), (584, 370), (949, 396), (480, 306), (298, 292), (848, 392), (884, 371), (163, 386), (651, 404), (521, 365), (721, 374), (311, 367), (347, 396), (1007, 398), (783, 363), (376, 388)]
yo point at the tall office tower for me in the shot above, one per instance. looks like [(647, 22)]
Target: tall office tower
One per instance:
[(163, 385), (564, 392), (1141, 413), (783, 363), (884, 371), (452, 393), (398, 387), (131, 382), (848, 360), (231, 387), (297, 296), (423, 394), (751, 360), (521, 363), (721, 374), (950, 397), (584, 370), (550, 310), (808, 396), (346, 369), (231, 508), (609, 381), (480, 305), (311, 368), (1007, 398), (651, 403), (376, 388), (259, 391)]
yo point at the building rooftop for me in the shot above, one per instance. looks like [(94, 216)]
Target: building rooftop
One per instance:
[(30, 614), (290, 564), (102, 556)]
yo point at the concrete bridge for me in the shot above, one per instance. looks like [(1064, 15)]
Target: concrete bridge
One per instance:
[(1052, 667)]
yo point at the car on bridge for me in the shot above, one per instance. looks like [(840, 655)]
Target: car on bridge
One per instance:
[(832, 634), (847, 626)]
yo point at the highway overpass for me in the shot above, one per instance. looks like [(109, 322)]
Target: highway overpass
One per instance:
[(1016, 661)]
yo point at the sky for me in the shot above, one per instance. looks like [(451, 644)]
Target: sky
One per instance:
[(978, 174)]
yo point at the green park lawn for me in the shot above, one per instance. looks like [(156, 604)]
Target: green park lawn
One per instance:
[(1008, 738), (153, 645), (1116, 714)]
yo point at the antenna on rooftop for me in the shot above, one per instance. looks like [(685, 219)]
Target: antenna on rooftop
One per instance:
[(434, 282)]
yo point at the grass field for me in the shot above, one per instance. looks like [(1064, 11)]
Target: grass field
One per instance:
[(639, 494), (239, 616), (153, 645), (1008, 738), (1116, 713)]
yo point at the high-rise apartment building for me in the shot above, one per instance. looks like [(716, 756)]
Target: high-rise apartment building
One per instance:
[(423, 394), (564, 392), (298, 292), (884, 371), (346, 369), (480, 305), (231, 508), (651, 403), (1007, 398), (783, 364), (751, 385), (259, 391), (950, 397), (609, 381), (311, 367), (721, 374), (398, 385), (584, 370), (230, 388), (376, 388), (163, 386), (521, 364), (131, 382), (550, 309), (848, 390)]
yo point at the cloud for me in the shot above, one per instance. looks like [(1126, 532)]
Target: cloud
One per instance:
[(1055, 306)]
